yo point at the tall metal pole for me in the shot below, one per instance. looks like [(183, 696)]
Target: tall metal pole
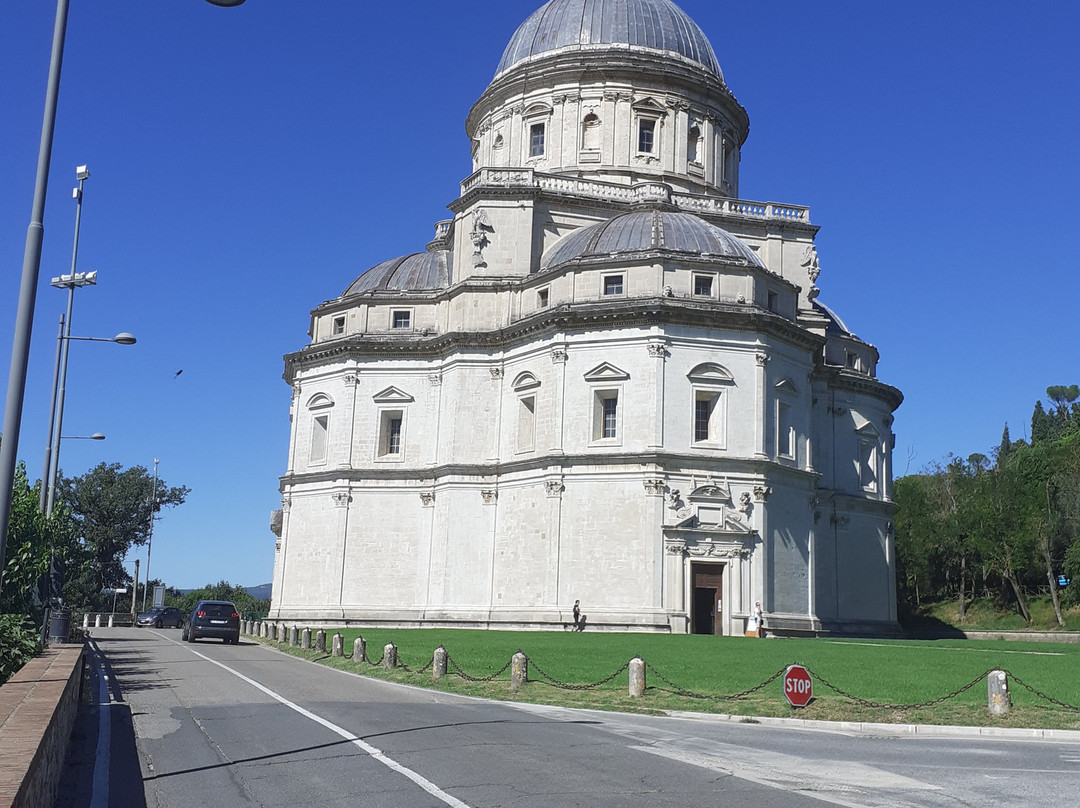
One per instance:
[(71, 282), (135, 591), (24, 318), (52, 419), (150, 538)]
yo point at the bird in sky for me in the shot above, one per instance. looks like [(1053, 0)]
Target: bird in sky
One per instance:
[(178, 373)]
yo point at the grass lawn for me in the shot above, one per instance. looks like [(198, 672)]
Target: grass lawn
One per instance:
[(889, 672)]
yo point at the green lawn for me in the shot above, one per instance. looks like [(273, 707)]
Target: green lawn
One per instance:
[(889, 672)]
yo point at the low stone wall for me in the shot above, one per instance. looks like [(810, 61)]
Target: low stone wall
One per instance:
[(38, 706)]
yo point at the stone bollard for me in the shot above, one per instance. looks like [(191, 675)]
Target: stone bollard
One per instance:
[(305, 639), (86, 621), (293, 636), (637, 677), (359, 650), (266, 629), (320, 641), (111, 620), (438, 663), (997, 692), (97, 621), (389, 656), (337, 645), (258, 628), (519, 671)]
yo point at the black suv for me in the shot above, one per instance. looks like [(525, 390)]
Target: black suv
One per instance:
[(213, 618)]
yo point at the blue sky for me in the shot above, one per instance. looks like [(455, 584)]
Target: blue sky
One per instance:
[(248, 163)]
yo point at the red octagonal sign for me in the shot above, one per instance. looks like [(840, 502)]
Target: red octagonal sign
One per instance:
[(798, 686)]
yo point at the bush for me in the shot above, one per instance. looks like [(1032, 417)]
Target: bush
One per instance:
[(19, 642)]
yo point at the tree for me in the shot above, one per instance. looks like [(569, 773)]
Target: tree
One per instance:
[(27, 554), (110, 509)]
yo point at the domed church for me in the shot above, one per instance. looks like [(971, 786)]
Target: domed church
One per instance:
[(607, 378)]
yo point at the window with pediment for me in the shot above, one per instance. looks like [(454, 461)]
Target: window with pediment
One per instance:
[(710, 384)]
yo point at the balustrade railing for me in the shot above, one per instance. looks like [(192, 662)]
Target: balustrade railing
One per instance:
[(598, 189)]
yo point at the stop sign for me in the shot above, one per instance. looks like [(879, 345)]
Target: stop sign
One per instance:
[(798, 686)]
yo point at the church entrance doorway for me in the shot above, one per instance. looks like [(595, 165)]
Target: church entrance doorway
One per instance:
[(706, 610)]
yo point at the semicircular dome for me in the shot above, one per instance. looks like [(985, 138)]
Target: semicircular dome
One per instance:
[(649, 231), (656, 25), (407, 273)]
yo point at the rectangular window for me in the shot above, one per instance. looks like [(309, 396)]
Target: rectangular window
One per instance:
[(703, 285), (613, 284), (852, 361), (526, 424), (785, 431), (536, 140), (391, 430), (773, 301), (605, 415), (542, 297), (704, 406), (320, 428), (611, 413), (646, 136), (338, 327), (401, 319)]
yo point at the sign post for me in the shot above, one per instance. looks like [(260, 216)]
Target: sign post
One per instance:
[(798, 686)]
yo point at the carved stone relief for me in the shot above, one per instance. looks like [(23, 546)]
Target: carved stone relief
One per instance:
[(427, 498), (558, 355), (489, 495), (654, 487), (554, 488)]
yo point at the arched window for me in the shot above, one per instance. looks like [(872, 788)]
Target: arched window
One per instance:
[(693, 145)]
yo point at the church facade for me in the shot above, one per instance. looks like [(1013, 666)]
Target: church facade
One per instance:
[(608, 378)]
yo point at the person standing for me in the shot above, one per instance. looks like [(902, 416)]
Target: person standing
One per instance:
[(577, 615), (759, 619)]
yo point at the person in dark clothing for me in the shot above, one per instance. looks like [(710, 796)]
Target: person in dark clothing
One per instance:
[(577, 615)]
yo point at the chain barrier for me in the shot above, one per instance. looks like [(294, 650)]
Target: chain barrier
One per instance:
[(450, 663), (566, 686), (678, 691), (882, 705), (1042, 695)]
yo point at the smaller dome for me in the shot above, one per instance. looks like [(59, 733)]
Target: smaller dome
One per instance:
[(650, 231), (409, 273)]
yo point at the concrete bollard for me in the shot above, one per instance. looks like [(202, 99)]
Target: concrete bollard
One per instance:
[(111, 620), (97, 621), (997, 692), (337, 645), (293, 636), (438, 663), (320, 641), (305, 639), (389, 656), (359, 650), (258, 628), (637, 677), (86, 620), (519, 671)]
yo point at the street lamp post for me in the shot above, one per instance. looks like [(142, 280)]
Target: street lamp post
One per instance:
[(52, 455), (24, 317), (150, 537)]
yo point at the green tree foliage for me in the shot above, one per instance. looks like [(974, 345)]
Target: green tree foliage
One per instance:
[(27, 552), (1006, 527), (109, 508), (249, 607)]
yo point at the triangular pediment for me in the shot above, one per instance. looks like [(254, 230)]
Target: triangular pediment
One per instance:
[(863, 426), (786, 386), (649, 103), (606, 372), (392, 395), (713, 492)]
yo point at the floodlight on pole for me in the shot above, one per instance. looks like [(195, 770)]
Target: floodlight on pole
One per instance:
[(31, 268)]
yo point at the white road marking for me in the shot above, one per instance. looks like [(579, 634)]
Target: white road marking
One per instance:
[(99, 791), (377, 754)]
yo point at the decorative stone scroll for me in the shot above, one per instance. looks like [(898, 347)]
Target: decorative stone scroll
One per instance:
[(489, 495), (762, 358), (341, 499), (558, 356), (496, 373), (762, 492), (657, 350), (434, 379), (427, 498), (654, 487), (554, 488)]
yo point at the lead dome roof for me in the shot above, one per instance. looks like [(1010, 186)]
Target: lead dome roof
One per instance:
[(650, 231), (416, 272), (657, 25)]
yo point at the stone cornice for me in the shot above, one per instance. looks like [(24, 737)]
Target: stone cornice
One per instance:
[(593, 315), (542, 463), (843, 379)]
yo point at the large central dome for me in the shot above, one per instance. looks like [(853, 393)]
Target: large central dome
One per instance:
[(657, 25)]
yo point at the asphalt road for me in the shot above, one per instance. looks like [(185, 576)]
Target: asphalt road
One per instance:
[(172, 725)]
